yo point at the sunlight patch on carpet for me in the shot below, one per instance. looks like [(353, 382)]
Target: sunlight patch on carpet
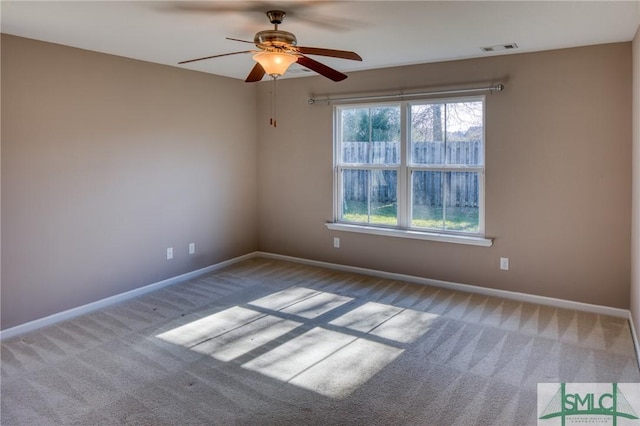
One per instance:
[(390, 322), (327, 362), (308, 338), (198, 331), (243, 340), (301, 301)]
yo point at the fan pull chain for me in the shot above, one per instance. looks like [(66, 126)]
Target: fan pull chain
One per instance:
[(273, 122)]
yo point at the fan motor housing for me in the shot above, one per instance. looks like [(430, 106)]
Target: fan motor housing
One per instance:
[(275, 39)]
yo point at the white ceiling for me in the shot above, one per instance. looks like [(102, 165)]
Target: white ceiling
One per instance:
[(384, 33)]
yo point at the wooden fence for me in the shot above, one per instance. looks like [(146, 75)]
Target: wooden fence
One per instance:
[(430, 188)]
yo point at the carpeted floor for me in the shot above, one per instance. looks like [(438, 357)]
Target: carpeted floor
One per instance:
[(275, 343)]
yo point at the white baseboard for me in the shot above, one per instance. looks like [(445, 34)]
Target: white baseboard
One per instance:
[(506, 294), (634, 336), (119, 298), (112, 300)]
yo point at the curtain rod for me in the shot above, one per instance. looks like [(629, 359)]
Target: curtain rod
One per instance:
[(497, 87)]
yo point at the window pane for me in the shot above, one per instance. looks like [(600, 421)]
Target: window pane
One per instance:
[(355, 195), (356, 125), (445, 200), (464, 133), (384, 202), (462, 208), (385, 135), (370, 196), (427, 200), (371, 135), (447, 133), (427, 134), (356, 134)]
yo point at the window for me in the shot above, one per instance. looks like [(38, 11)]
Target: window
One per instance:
[(413, 166)]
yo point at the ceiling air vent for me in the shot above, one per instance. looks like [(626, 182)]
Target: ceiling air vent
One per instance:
[(499, 47)]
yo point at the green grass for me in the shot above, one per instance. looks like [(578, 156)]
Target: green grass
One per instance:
[(463, 219)]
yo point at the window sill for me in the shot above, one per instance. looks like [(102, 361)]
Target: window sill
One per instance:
[(417, 235)]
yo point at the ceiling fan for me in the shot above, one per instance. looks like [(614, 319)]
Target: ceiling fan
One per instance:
[(279, 49)]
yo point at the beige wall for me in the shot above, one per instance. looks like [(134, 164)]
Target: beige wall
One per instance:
[(635, 234), (108, 161), (557, 184)]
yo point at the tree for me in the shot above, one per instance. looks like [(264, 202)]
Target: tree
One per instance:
[(379, 124)]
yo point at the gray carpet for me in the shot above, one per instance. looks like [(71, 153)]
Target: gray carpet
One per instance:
[(270, 342)]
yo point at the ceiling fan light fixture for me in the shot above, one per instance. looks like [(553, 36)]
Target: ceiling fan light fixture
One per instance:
[(275, 63)]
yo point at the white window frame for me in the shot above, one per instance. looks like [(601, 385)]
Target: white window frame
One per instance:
[(404, 171)]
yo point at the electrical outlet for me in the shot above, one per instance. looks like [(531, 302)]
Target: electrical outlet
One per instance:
[(504, 263), (336, 242), (170, 253), (192, 248)]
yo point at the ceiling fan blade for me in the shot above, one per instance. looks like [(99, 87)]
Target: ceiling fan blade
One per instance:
[(237, 39), (214, 56), (321, 69), (342, 54), (256, 74)]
